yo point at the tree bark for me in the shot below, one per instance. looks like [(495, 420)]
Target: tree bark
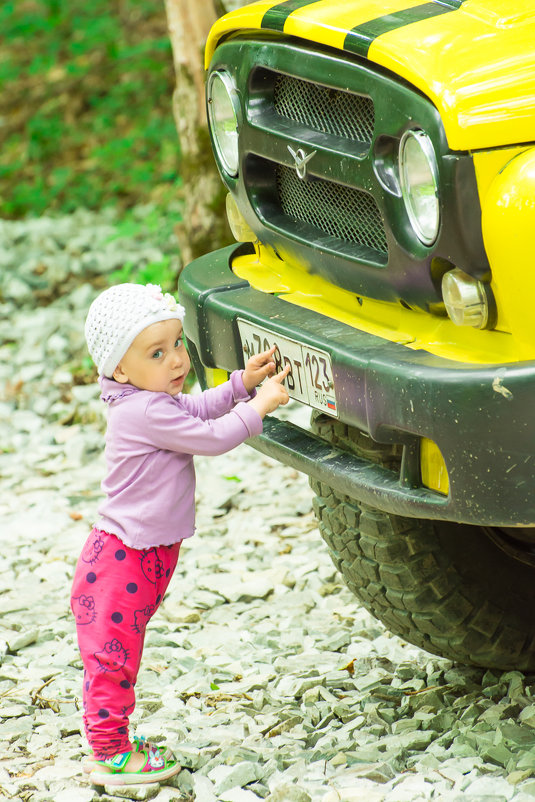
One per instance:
[(204, 225)]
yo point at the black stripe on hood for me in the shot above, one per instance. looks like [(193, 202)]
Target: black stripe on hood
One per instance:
[(359, 39)]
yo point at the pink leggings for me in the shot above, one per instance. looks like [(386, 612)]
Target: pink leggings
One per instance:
[(116, 591)]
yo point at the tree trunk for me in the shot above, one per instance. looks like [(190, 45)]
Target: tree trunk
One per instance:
[(204, 225)]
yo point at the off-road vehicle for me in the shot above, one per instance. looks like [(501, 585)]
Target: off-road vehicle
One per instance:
[(380, 164)]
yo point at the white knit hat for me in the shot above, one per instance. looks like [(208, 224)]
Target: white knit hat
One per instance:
[(119, 314)]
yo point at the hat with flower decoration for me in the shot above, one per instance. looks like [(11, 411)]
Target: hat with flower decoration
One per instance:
[(119, 314)]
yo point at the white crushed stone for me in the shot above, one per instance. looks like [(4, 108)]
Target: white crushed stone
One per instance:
[(247, 667)]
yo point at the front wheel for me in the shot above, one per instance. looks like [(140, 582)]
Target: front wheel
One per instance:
[(452, 589)]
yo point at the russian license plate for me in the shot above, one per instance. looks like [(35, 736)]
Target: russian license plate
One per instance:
[(311, 377)]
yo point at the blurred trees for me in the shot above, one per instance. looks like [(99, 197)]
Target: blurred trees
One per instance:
[(85, 112), (85, 115)]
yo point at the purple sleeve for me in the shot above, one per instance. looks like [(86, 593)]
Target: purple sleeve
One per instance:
[(169, 425), (218, 400)]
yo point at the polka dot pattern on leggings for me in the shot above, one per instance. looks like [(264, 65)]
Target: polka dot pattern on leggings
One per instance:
[(117, 618), (131, 587)]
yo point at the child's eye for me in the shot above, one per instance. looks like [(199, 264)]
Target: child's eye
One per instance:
[(157, 354), (179, 342)]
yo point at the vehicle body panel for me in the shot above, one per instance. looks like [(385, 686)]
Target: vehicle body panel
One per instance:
[(475, 60)]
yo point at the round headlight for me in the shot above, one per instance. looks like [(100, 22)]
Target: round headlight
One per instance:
[(419, 184), (223, 117)]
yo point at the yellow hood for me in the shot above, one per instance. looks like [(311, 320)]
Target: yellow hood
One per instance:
[(475, 59)]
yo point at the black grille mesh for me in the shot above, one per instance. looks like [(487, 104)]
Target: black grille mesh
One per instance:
[(338, 211), (331, 111)]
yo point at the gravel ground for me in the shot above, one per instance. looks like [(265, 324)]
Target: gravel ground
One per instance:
[(260, 670)]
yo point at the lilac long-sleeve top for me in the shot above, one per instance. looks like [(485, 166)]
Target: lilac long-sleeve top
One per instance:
[(150, 442)]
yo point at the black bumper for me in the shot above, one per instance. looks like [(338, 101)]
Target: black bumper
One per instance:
[(481, 418)]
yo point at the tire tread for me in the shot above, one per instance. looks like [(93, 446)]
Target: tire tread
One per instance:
[(412, 579)]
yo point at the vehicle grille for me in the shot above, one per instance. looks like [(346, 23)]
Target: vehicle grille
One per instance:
[(331, 111), (318, 179), (347, 214)]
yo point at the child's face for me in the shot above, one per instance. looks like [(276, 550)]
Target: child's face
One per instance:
[(157, 360)]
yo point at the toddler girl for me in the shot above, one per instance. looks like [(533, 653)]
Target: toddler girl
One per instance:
[(134, 335)]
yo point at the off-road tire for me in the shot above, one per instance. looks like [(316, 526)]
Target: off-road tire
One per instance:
[(448, 588)]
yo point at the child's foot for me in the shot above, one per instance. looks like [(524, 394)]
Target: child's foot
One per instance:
[(140, 742), (148, 765)]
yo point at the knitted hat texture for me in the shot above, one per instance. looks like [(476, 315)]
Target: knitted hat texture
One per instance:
[(119, 314)]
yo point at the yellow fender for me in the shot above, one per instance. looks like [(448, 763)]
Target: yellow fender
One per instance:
[(508, 219)]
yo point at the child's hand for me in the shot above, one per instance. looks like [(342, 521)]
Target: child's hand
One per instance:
[(257, 368), (271, 394)]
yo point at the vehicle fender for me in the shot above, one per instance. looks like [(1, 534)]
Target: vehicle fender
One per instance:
[(508, 223)]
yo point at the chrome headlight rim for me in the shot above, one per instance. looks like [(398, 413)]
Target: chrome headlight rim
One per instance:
[(229, 165), (427, 234)]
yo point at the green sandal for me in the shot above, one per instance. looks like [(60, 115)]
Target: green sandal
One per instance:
[(155, 768), (140, 742)]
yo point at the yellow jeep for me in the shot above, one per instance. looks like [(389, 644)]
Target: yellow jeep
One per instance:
[(380, 164)]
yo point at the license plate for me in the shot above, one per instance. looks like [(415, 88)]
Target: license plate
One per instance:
[(311, 377)]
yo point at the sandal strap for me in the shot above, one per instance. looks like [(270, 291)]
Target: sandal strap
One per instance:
[(156, 766), (140, 743), (117, 762), (155, 760)]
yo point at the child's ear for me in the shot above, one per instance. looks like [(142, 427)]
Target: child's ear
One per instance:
[(119, 375)]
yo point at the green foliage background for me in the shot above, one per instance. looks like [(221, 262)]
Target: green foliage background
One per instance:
[(85, 106)]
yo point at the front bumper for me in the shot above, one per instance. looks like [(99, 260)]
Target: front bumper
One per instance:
[(481, 418)]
